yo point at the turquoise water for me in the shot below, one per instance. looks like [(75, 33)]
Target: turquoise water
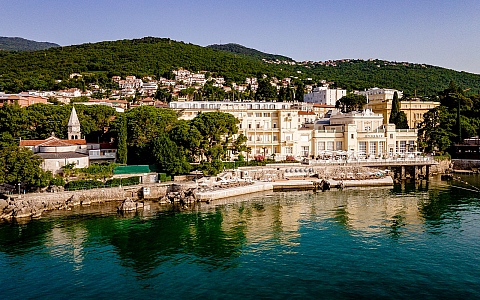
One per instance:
[(412, 241)]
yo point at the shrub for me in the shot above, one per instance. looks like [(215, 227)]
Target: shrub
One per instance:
[(163, 177), (58, 181), (123, 181), (83, 184), (259, 157)]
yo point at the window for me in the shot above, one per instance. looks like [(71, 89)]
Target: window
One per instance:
[(403, 146), (266, 114), (391, 135), (275, 138), (362, 148), (258, 125), (321, 146), (352, 136), (274, 125), (258, 115), (305, 151), (367, 128), (249, 125), (330, 145), (339, 145), (288, 150), (381, 147), (372, 149)]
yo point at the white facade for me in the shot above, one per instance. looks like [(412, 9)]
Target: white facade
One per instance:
[(378, 94), (324, 95), (284, 129)]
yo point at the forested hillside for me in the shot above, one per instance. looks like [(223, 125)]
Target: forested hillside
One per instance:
[(239, 49), (21, 44), (20, 71)]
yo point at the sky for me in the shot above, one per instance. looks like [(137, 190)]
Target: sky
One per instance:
[(435, 32)]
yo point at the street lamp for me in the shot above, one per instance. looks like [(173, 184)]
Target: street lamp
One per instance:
[(18, 189)]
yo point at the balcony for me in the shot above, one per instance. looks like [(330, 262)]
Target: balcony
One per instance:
[(102, 154)]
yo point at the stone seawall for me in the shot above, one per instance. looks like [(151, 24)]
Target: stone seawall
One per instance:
[(32, 205), (465, 164)]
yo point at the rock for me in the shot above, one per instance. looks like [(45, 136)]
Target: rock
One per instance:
[(24, 212), (86, 202), (73, 201), (146, 206), (3, 204), (127, 205)]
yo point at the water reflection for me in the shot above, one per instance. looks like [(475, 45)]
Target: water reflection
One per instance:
[(215, 236)]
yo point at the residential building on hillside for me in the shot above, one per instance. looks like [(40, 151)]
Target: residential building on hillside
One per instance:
[(21, 99), (378, 94), (324, 95)]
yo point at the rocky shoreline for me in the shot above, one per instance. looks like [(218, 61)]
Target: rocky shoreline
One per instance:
[(184, 193)]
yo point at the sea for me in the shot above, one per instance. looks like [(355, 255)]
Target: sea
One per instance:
[(411, 241)]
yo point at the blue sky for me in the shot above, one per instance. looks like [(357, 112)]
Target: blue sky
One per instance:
[(440, 33)]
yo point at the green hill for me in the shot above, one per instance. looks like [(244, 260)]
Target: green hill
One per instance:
[(239, 49), (21, 44), (20, 71)]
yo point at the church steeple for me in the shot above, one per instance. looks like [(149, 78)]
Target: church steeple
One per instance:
[(74, 126)]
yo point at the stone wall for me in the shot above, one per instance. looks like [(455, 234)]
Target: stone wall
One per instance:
[(32, 205), (465, 164)]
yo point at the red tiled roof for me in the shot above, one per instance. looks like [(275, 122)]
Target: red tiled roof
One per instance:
[(52, 142), (302, 112)]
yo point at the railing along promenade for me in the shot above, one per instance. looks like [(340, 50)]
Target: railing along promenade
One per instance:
[(374, 162)]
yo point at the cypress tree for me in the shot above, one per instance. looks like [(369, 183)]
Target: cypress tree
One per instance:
[(122, 140), (395, 109)]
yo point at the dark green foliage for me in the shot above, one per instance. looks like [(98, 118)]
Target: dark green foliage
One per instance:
[(158, 57), (351, 102), (21, 44), (211, 168), (123, 181), (239, 49), (163, 177), (216, 130), (397, 117), (122, 139), (395, 108), (144, 124), (58, 181), (39, 121), (83, 185), (265, 91), (139, 57), (20, 165), (168, 157)]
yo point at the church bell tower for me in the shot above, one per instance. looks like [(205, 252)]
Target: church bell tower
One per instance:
[(74, 126)]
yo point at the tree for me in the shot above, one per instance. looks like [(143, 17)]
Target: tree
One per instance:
[(265, 91), (122, 140), (435, 132), (20, 165), (168, 156), (351, 102), (395, 108), (188, 138), (300, 92), (216, 129), (144, 124)]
